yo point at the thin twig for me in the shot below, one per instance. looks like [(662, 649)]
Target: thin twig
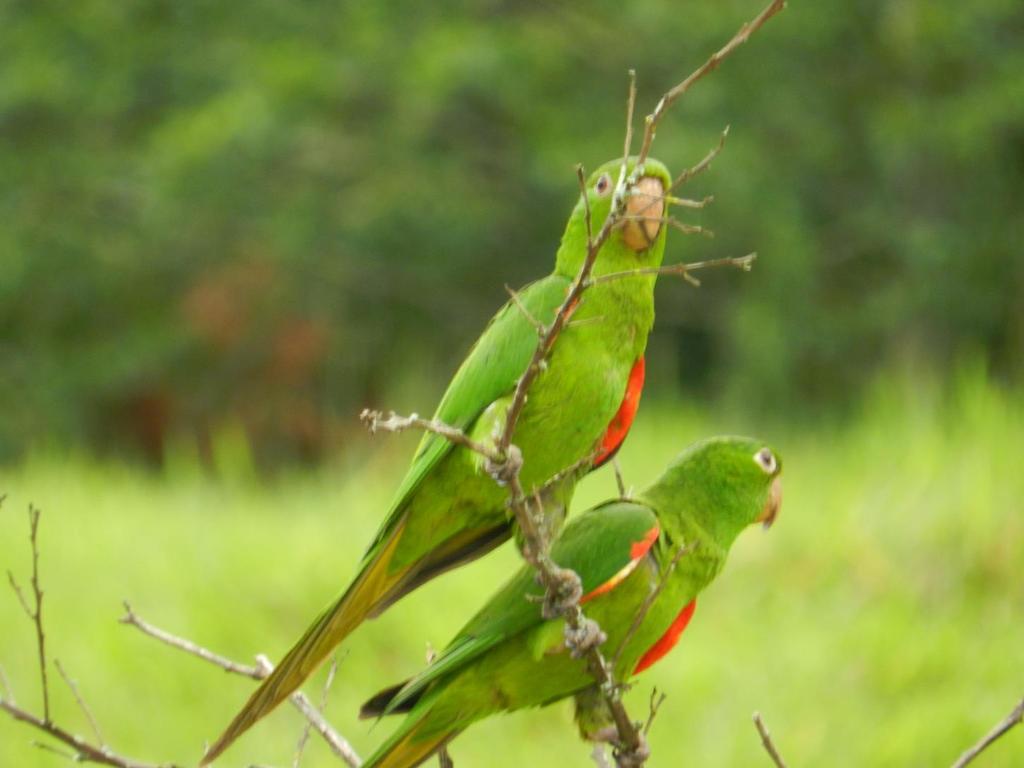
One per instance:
[(657, 699), (538, 326), (703, 165), (672, 221), (645, 606), (42, 745), (188, 646), (300, 748), (623, 492), (375, 420), (744, 263), (684, 202), (37, 590), (766, 740), (1014, 718), (562, 474), (20, 595), (744, 33), (81, 702)]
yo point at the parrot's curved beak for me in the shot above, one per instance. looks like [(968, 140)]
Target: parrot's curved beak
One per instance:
[(645, 209), (773, 505)]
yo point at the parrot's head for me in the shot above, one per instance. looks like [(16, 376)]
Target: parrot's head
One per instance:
[(724, 484), (638, 239)]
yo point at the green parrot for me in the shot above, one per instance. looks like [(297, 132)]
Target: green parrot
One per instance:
[(448, 510), (508, 657)]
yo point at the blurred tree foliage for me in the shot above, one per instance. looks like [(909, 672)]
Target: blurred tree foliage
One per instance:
[(273, 214)]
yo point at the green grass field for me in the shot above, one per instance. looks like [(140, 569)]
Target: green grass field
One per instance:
[(879, 623)]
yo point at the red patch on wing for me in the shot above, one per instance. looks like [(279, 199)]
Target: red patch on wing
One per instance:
[(636, 550), (639, 548), (667, 641), (619, 426)]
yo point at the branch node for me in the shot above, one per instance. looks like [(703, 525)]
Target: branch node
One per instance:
[(580, 639)]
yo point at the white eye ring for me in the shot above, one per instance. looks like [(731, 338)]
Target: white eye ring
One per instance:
[(603, 184), (766, 461)]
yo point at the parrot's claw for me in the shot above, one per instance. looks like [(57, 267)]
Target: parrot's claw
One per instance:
[(588, 635), (564, 593), (506, 470), (633, 758)]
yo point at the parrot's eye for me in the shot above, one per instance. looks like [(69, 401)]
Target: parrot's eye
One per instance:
[(603, 184), (766, 460)]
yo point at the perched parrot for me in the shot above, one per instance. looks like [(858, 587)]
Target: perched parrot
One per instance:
[(508, 657), (448, 510)]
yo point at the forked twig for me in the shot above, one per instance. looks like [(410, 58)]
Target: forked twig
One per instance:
[(35, 611), (83, 751), (657, 699), (744, 33)]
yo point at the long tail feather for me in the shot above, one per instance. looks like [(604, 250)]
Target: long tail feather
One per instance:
[(410, 746), (331, 627)]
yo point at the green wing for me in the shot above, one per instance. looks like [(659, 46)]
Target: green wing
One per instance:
[(598, 545), (494, 364)]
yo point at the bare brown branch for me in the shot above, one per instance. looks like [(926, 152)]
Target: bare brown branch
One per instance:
[(766, 740), (375, 420), (84, 752), (744, 33), (1013, 719), (188, 646)]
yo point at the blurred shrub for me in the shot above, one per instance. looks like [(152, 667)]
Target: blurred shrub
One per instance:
[(275, 215)]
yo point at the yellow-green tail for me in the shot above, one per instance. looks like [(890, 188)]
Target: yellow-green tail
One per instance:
[(409, 746), (371, 588)]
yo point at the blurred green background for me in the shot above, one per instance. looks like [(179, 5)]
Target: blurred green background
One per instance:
[(226, 230)]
